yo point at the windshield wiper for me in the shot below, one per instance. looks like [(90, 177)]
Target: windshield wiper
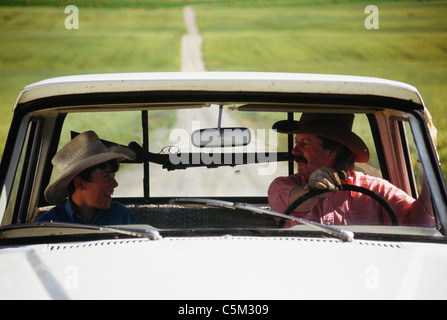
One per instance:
[(149, 233), (344, 235), (20, 230)]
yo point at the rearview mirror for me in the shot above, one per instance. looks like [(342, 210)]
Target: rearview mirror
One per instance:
[(221, 137)]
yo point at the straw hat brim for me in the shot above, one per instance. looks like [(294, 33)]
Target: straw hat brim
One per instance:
[(56, 191)]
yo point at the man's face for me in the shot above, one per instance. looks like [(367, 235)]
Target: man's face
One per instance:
[(98, 192), (309, 155)]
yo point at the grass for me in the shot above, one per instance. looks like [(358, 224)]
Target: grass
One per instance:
[(316, 36), (155, 4), (321, 39), (35, 45), (410, 45)]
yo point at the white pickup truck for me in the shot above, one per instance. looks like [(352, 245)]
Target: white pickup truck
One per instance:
[(206, 156)]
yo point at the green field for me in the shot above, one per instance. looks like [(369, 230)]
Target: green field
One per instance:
[(155, 4), (34, 45), (316, 36), (410, 45)]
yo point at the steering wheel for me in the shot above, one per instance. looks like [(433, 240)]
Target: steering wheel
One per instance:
[(344, 187)]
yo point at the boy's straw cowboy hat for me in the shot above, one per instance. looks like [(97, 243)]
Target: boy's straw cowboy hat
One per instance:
[(84, 151)]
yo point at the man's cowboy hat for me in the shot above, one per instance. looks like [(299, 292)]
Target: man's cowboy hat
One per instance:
[(337, 127), (84, 151)]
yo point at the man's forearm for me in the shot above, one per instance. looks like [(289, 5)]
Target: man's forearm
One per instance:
[(305, 207)]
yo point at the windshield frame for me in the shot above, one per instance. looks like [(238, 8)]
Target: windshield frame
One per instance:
[(430, 164)]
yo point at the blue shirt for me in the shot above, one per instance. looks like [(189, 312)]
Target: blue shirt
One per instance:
[(117, 214)]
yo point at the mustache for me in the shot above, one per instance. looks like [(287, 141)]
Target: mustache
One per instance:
[(300, 159)]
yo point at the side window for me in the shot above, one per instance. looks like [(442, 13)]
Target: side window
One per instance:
[(22, 177), (362, 128), (120, 127), (414, 166), (412, 169), (419, 184)]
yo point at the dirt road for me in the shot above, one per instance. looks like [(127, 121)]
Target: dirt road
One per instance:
[(237, 181), (191, 47)]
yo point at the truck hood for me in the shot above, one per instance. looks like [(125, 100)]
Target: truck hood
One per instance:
[(227, 267)]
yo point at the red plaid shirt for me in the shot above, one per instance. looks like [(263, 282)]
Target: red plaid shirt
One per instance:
[(353, 208)]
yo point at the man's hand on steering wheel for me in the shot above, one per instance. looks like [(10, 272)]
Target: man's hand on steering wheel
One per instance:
[(326, 178)]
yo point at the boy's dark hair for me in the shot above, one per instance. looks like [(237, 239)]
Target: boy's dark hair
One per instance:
[(86, 175), (345, 157)]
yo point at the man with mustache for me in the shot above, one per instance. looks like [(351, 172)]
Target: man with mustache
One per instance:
[(326, 150)]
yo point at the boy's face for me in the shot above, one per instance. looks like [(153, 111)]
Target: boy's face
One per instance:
[(98, 193)]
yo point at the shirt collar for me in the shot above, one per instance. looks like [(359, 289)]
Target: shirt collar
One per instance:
[(69, 208)]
